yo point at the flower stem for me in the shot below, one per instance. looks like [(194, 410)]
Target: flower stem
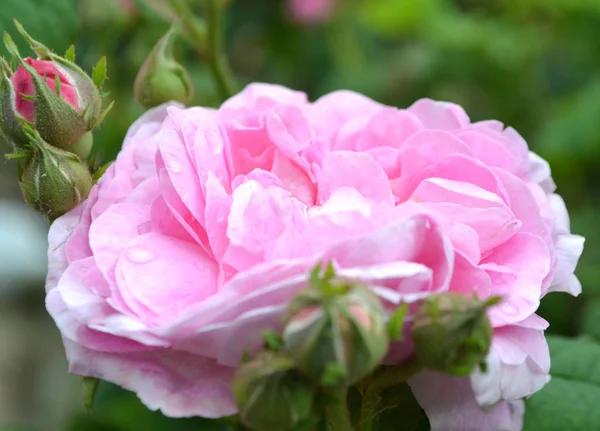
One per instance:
[(383, 378), (208, 39), (336, 413), (216, 55)]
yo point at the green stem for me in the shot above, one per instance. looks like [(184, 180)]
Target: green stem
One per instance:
[(336, 413), (208, 40), (216, 55), (385, 377)]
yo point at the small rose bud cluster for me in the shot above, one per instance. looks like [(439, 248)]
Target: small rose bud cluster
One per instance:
[(336, 334), (48, 109)]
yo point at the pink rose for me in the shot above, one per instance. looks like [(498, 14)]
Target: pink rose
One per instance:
[(197, 237), (23, 86), (311, 11)]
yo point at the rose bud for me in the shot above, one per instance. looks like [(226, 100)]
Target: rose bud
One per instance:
[(336, 331), (452, 333), (161, 78), (271, 395), (53, 95), (53, 181)]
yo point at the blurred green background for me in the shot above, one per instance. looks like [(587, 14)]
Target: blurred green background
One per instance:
[(533, 64)]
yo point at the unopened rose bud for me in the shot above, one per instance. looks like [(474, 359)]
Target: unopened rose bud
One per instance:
[(52, 94), (161, 78), (271, 395), (452, 333), (336, 332), (53, 181)]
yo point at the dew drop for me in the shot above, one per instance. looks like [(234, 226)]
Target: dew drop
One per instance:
[(172, 163), (139, 255), (214, 142), (221, 213)]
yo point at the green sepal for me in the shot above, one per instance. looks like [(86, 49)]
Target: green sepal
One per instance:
[(43, 52), (90, 388)]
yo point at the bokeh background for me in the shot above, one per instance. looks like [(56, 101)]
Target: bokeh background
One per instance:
[(533, 64)]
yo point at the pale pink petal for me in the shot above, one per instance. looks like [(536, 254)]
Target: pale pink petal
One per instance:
[(450, 405), (388, 127), (218, 205), (148, 124), (259, 96), (439, 115), (494, 225), (490, 151), (354, 170), (539, 172), (517, 269), (112, 231), (166, 275), (416, 240), (176, 383), (328, 113), (518, 366)]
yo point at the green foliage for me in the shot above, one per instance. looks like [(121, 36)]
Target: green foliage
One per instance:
[(401, 408), (570, 400), (52, 21)]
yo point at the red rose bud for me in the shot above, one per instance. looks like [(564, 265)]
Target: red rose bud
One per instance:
[(452, 333), (53, 95), (53, 181), (271, 395), (25, 89), (161, 78), (336, 332)]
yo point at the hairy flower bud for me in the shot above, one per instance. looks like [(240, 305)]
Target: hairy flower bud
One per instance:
[(336, 331), (270, 395), (161, 78), (51, 94), (54, 181), (452, 333)]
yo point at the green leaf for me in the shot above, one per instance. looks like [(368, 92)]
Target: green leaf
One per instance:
[(54, 23), (70, 54), (401, 407), (99, 73), (590, 319), (570, 401)]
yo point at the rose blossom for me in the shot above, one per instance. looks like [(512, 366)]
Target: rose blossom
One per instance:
[(197, 237), (311, 11), (23, 86)]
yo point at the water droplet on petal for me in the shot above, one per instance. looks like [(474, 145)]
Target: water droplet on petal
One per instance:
[(221, 213), (215, 142), (172, 163), (139, 255)]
